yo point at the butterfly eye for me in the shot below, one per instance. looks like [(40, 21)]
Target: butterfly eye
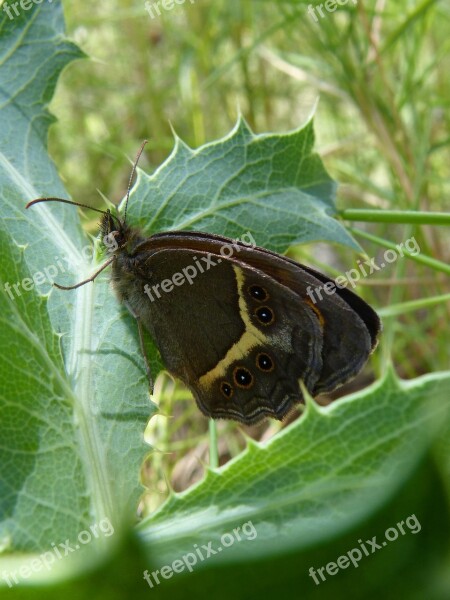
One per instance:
[(258, 293), (265, 315), (226, 389), (243, 377), (264, 362)]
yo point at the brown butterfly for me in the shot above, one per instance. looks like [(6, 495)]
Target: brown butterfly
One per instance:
[(233, 321)]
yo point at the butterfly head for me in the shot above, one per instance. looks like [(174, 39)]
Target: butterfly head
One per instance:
[(114, 233)]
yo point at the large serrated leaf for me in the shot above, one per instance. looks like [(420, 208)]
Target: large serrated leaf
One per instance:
[(71, 427), (271, 184), (317, 478), (73, 391)]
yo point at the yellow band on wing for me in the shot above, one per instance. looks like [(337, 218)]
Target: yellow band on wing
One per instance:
[(251, 338)]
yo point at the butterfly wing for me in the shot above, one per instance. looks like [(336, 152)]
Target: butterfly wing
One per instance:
[(239, 328), (239, 339), (350, 326)]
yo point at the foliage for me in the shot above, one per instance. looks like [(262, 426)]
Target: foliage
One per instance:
[(73, 390)]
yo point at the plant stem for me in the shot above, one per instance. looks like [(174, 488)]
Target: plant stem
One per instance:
[(213, 451), (433, 263), (395, 216), (404, 307)]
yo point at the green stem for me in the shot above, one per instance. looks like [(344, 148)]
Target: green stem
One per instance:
[(435, 264), (403, 307), (213, 451), (413, 217)]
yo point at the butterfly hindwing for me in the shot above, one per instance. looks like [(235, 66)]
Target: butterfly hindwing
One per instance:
[(242, 341)]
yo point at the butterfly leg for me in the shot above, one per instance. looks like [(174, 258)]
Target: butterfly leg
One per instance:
[(144, 354), (89, 279), (143, 350)]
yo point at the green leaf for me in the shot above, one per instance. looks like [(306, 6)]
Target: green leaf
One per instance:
[(317, 478), (71, 422), (75, 381), (272, 185), (74, 396)]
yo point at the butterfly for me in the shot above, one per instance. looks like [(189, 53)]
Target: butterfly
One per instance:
[(235, 322)]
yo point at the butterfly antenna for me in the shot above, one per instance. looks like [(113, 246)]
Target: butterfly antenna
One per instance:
[(133, 171), (64, 201)]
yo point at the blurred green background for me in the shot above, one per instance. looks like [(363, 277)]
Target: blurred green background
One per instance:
[(380, 71)]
